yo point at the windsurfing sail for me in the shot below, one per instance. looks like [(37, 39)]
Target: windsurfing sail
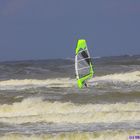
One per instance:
[(83, 64)]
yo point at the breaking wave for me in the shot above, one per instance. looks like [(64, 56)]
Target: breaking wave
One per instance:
[(36, 110), (120, 77), (29, 83), (129, 78), (102, 135)]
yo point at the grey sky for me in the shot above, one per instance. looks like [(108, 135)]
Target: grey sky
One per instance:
[(41, 29)]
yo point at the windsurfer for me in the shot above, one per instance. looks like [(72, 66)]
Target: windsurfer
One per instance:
[(85, 84)]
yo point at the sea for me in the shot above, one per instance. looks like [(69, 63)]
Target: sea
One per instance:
[(40, 100)]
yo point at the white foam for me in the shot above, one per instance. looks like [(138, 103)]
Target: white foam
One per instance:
[(37, 110), (119, 77), (129, 78), (102, 135), (29, 83)]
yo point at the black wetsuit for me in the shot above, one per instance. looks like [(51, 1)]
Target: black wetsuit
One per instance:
[(85, 84)]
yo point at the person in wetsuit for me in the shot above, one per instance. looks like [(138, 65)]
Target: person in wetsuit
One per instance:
[(85, 84)]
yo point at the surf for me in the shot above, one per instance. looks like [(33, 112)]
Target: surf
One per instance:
[(37, 110), (98, 135), (129, 78)]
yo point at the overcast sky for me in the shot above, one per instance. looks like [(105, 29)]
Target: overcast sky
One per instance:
[(42, 29)]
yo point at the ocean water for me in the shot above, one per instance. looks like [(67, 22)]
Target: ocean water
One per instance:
[(39, 100)]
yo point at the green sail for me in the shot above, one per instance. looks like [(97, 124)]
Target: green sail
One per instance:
[(83, 64)]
